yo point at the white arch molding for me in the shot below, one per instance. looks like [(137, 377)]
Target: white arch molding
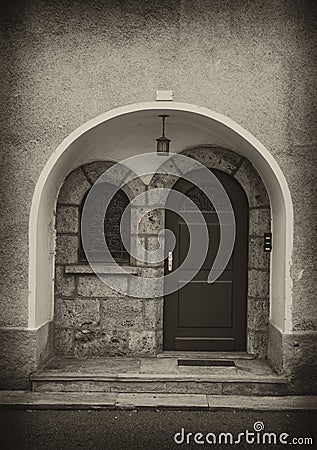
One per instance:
[(115, 132)]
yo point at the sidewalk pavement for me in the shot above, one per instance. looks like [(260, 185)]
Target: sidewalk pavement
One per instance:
[(194, 402)]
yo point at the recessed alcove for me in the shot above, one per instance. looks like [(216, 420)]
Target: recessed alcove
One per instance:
[(190, 127), (91, 319)]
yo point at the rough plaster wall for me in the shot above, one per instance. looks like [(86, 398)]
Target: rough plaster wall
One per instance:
[(65, 62)]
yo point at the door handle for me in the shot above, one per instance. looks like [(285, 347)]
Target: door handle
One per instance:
[(170, 261)]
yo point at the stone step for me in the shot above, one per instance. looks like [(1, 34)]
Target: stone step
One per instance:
[(157, 383), (158, 375), (205, 355)]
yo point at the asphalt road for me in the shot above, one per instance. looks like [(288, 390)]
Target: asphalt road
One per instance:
[(149, 429)]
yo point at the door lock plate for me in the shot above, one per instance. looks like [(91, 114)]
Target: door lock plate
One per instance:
[(170, 261)]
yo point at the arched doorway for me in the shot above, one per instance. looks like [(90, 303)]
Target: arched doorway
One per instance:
[(137, 127), (202, 316)]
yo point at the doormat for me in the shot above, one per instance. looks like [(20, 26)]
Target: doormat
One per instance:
[(206, 362)]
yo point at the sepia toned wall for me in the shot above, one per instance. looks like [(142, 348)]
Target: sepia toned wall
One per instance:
[(65, 62)]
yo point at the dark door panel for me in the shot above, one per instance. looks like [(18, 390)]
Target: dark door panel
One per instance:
[(215, 300), (202, 316)]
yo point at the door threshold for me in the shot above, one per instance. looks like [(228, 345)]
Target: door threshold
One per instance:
[(205, 355)]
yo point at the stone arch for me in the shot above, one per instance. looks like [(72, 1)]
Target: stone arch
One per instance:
[(195, 122), (70, 202), (242, 170), (74, 189)]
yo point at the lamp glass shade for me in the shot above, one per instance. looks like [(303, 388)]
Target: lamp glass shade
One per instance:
[(163, 145)]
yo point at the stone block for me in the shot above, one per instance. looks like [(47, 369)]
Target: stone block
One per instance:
[(257, 389), (159, 341), (66, 249), (74, 188), (134, 187), (146, 244), (159, 313), (100, 343), (64, 284), (150, 314), (258, 343), (151, 272), (152, 244), (87, 313), (139, 201), (260, 221), (122, 313), (67, 219), (135, 386), (92, 286), (138, 248), (258, 314), (151, 222), (193, 387), (142, 342), (162, 180), (151, 287), (259, 283), (180, 164), (258, 258), (85, 386), (153, 313), (64, 314), (95, 169), (156, 198), (215, 158), (252, 184), (64, 342), (117, 176), (102, 269)]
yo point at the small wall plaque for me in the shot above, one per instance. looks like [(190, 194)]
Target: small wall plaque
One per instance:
[(164, 96)]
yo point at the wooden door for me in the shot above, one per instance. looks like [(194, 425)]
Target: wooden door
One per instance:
[(202, 316)]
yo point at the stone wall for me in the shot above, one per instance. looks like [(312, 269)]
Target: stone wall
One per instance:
[(90, 318), (93, 320), (96, 321)]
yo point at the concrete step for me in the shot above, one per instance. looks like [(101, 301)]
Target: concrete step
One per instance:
[(212, 385), (158, 375)]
